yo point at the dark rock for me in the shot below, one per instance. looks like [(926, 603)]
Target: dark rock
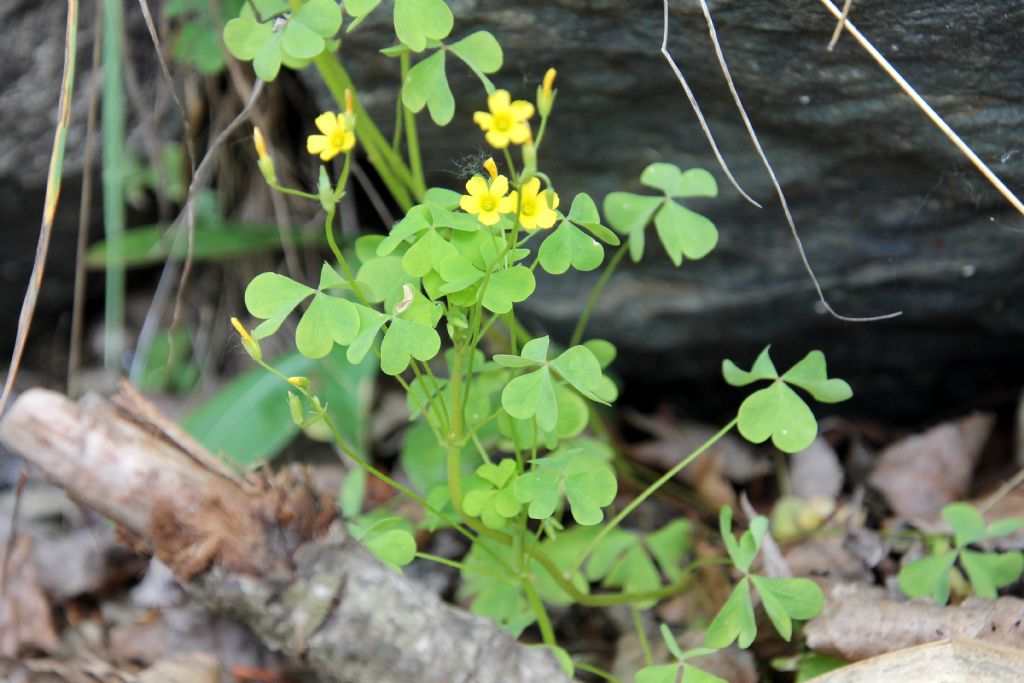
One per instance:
[(892, 215)]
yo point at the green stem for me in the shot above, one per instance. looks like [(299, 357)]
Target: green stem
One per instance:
[(641, 633), (113, 129), (547, 632), (649, 491), (600, 673), (419, 186), (581, 324), (392, 170)]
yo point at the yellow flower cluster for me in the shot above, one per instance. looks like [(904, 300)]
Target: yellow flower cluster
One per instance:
[(488, 201)]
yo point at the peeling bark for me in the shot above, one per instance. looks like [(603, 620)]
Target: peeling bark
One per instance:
[(267, 551)]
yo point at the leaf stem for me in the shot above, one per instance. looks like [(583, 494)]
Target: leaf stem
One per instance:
[(419, 186), (581, 324)]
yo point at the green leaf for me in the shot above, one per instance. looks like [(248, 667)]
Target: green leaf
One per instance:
[(813, 665), (272, 297), (990, 571), (449, 199), (404, 340), (629, 214), (692, 674), (360, 8), (300, 41), (588, 484), (580, 368), (810, 375), (427, 254), (389, 539), (459, 272), (735, 621), (604, 351), (498, 503), (245, 35), (386, 279), (328, 321), (1004, 527), (426, 84), (778, 412), (763, 369), (495, 594), (248, 419), (508, 287), (415, 221), (743, 553), (928, 576), (480, 51), (684, 233), (569, 246), (788, 599), (669, 545), (967, 523), (267, 61), (323, 17), (696, 182), (370, 322), (532, 394), (584, 213), (416, 21), (660, 673)]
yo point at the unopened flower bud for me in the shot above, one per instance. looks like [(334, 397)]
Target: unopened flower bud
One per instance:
[(491, 168), (263, 159), (251, 346), (295, 407), (529, 161), (545, 94), (325, 191), (299, 382)]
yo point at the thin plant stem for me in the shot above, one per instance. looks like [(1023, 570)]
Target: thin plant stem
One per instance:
[(412, 139), (547, 631), (646, 493), (113, 131), (641, 633), (600, 673), (595, 293)]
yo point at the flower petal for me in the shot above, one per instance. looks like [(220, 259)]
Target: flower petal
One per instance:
[(348, 142), (483, 119), (499, 187), (520, 133), (532, 187), (316, 143), (469, 204), (498, 101), (477, 186), (489, 217), (508, 204), (497, 139), (327, 122), (521, 110)]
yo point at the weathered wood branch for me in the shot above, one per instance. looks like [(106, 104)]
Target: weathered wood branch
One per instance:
[(267, 551)]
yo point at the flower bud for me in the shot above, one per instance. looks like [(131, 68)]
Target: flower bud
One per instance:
[(325, 191), (263, 160), (529, 161), (251, 346), (299, 382), (295, 407), (491, 168), (545, 94)]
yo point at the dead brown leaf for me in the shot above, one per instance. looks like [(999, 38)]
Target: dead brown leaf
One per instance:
[(920, 474), (957, 659), (25, 622), (859, 622)]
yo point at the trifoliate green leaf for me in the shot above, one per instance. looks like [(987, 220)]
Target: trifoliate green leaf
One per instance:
[(508, 287), (459, 273), (735, 620), (498, 503), (448, 199), (569, 246), (580, 368), (416, 21), (669, 545), (322, 17), (532, 394), (426, 84), (370, 322), (386, 279), (763, 369), (660, 673), (588, 484), (328, 321), (604, 351), (695, 182), (742, 553), (389, 539), (244, 35), (967, 523), (406, 339), (427, 254)]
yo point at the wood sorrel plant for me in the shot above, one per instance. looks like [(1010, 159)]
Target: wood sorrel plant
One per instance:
[(499, 449)]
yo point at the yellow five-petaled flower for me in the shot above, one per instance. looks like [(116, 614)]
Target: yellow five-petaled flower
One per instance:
[(507, 120), (487, 201), (534, 211), (336, 138)]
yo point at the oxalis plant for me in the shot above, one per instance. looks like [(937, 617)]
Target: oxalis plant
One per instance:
[(501, 448)]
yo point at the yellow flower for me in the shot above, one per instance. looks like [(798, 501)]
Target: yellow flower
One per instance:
[(251, 346), (534, 211), (507, 120), (549, 81), (487, 201), (545, 94), (336, 138), (263, 160)]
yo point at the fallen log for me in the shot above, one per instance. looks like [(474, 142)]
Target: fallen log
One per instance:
[(266, 550)]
